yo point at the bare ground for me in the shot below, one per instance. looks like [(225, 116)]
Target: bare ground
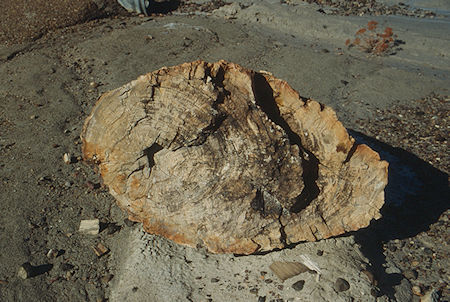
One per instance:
[(396, 104)]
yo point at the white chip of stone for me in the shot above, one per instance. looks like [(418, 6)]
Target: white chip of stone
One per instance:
[(90, 227), (25, 271), (52, 253), (67, 158), (310, 264)]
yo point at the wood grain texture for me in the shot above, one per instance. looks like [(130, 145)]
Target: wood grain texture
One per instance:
[(216, 155)]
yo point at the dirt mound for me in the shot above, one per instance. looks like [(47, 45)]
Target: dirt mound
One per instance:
[(24, 21)]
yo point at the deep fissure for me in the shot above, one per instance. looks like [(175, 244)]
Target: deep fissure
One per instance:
[(350, 153), (283, 236), (265, 100), (258, 204), (150, 153)]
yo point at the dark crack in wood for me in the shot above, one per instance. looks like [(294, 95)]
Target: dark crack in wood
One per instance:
[(150, 153), (265, 100)]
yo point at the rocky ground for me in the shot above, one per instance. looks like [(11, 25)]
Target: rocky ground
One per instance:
[(368, 7), (420, 129), (51, 75)]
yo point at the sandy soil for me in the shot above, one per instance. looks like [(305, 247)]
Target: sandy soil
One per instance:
[(398, 104)]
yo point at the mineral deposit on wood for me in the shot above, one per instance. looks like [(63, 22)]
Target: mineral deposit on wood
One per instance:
[(216, 155)]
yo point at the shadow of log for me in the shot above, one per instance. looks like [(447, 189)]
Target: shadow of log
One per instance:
[(416, 196)]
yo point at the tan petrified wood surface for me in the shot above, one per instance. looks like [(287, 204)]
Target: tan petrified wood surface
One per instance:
[(216, 155)]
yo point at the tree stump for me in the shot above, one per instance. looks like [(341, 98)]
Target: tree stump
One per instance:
[(216, 155)]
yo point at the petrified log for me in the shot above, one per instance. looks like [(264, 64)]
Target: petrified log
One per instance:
[(216, 155)]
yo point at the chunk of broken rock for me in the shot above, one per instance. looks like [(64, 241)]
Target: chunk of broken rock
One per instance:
[(216, 155), (91, 227), (286, 270), (67, 158), (100, 249), (26, 271)]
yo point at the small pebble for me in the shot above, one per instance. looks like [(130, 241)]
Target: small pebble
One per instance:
[(52, 253), (94, 84), (428, 251), (67, 158), (375, 292), (66, 267), (112, 228), (26, 271), (105, 279), (319, 253), (100, 249), (392, 248), (370, 276), (91, 227), (433, 295), (298, 286), (91, 185), (411, 274), (341, 285), (416, 290), (214, 280), (262, 299), (33, 117), (69, 274), (128, 222)]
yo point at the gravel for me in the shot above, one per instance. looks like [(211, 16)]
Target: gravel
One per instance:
[(421, 128), (418, 131), (368, 7)]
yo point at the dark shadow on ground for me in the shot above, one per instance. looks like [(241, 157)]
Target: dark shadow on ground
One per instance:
[(163, 7), (415, 197)]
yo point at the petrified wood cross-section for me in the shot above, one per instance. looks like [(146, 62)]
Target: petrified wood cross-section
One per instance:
[(216, 155)]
